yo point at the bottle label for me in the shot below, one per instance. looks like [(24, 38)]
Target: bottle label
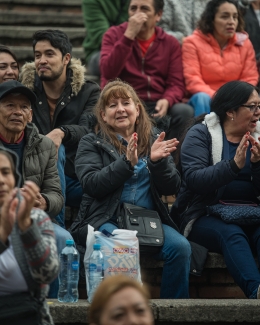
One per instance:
[(96, 267), (75, 265), (92, 267)]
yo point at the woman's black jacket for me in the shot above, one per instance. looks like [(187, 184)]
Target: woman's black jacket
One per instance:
[(102, 172)]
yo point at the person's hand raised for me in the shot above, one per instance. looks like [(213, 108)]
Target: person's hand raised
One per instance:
[(135, 24), (29, 194), (131, 150), (162, 148), (255, 150), (8, 215), (240, 156)]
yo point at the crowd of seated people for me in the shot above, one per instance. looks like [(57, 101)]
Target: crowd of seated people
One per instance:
[(61, 127)]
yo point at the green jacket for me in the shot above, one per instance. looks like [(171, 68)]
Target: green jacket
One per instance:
[(98, 16), (39, 165)]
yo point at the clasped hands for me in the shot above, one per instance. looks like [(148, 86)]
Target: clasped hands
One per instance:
[(240, 156), (160, 149), (15, 209)]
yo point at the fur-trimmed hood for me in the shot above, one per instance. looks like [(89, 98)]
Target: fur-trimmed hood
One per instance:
[(213, 124), (78, 77)]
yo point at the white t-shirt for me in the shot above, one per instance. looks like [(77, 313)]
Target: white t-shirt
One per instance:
[(11, 277)]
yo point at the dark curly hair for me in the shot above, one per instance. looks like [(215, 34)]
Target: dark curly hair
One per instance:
[(158, 5), (205, 24), (57, 38)]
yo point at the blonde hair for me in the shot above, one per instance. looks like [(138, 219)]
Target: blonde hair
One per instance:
[(108, 288), (143, 127)]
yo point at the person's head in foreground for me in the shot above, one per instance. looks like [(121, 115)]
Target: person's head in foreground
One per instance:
[(9, 67), (222, 19), (120, 300), (237, 104)]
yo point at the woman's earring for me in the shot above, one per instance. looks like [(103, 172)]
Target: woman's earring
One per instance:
[(232, 118)]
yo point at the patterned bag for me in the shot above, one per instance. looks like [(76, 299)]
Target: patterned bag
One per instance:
[(243, 213)]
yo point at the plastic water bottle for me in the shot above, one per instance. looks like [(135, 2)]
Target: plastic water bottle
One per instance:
[(96, 270), (69, 273)]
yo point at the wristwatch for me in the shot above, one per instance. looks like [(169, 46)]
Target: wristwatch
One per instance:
[(63, 130)]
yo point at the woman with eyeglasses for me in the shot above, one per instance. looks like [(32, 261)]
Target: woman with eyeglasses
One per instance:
[(220, 160)]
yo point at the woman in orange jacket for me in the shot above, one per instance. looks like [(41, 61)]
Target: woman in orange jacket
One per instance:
[(217, 52)]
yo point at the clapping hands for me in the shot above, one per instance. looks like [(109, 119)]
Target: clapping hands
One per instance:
[(162, 148)]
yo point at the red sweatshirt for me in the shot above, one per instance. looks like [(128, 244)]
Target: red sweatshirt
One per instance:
[(155, 76)]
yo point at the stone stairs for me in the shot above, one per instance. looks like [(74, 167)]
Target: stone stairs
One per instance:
[(21, 18), (169, 311)]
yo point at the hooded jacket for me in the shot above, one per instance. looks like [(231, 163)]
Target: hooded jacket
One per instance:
[(36, 253), (205, 173), (39, 166), (157, 75), (77, 100), (207, 67)]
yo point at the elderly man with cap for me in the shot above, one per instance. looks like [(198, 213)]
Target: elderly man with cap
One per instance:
[(36, 152)]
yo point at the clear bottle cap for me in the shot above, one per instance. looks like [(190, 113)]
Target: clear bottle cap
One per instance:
[(69, 242), (96, 246)]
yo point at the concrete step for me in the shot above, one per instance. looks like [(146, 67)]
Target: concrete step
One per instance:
[(67, 3), (214, 283), (25, 53), (173, 311), (213, 261), (42, 18), (26, 32)]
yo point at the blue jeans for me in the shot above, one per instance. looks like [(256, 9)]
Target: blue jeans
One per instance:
[(175, 253), (200, 102), (61, 236), (236, 243), (71, 188), (74, 192)]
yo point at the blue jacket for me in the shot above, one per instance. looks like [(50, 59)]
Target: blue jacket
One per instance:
[(205, 173)]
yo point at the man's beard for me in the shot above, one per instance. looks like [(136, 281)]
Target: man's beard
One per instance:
[(52, 77)]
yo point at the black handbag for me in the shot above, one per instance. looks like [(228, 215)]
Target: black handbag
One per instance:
[(18, 309), (148, 225), (243, 213)]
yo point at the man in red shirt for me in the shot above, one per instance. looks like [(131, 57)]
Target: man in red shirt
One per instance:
[(146, 57)]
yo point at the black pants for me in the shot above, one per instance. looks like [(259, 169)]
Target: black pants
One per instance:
[(175, 121)]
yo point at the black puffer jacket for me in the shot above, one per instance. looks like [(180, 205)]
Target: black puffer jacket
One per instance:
[(103, 172), (77, 100)]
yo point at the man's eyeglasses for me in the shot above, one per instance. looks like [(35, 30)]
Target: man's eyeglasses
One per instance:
[(253, 107)]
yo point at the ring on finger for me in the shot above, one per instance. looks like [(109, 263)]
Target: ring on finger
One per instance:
[(166, 149)]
